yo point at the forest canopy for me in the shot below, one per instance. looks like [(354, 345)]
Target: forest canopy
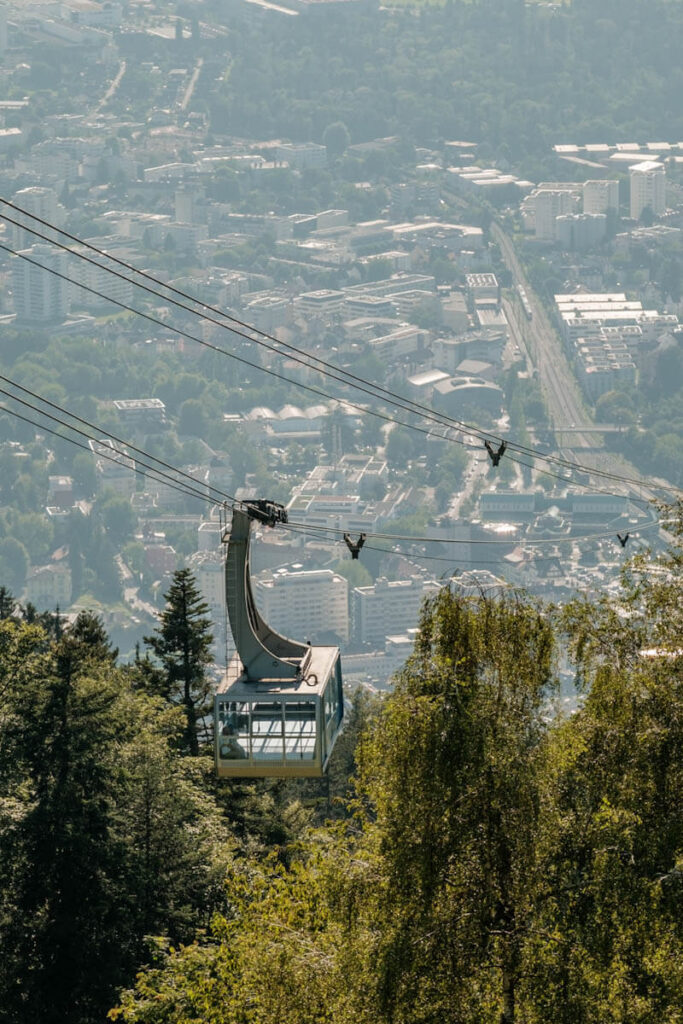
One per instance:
[(479, 857)]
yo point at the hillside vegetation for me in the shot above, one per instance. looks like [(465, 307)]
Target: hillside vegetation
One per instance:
[(492, 861)]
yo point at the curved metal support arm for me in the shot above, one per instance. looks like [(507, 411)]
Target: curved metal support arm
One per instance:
[(263, 652)]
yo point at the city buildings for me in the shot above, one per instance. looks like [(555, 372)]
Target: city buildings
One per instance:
[(49, 586), (39, 293), (601, 196), (388, 607), (304, 604), (301, 155), (115, 468), (548, 205), (648, 188), (42, 203)]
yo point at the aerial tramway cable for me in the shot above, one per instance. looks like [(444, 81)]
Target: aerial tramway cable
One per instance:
[(181, 487), (160, 475), (298, 355), (273, 373), (42, 427), (221, 495)]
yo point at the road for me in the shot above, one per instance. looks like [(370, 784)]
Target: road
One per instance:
[(113, 86), (544, 347), (130, 592), (191, 84)]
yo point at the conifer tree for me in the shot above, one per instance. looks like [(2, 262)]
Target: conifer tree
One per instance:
[(182, 643), (107, 833), (7, 603)]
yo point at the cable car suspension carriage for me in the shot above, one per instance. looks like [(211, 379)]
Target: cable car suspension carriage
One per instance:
[(279, 709)]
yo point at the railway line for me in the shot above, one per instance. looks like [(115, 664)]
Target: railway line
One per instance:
[(544, 349), (536, 336)]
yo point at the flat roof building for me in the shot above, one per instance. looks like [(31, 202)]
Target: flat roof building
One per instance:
[(648, 188), (315, 600), (388, 607)]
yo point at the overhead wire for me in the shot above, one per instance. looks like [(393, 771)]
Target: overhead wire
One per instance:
[(215, 348), (410, 538), (44, 428), (180, 486), (297, 354), (273, 373), (159, 475), (222, 496)]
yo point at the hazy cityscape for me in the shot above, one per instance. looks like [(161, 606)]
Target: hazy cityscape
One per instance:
[(414, 272), (534, 311)]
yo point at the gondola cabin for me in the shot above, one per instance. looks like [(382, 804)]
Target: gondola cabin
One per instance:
[(280, 707)]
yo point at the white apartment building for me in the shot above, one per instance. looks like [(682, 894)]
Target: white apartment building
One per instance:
[(604, 372), (38, 294), (586, 313), (323, 303), (115, 468), (388, 607), (209, 571), (301, 155), (49, 586), (580, 231), (394, 285), (600, 196), (42, 202), (334, 511), (96, 279), (548, 205), (404, 341), (648, 188), (304, 604), (483, 287)]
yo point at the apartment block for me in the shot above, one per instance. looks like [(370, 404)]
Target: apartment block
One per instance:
[(39, 294), (115, 468), (388, 607), (304, 604), (323, 303), (549, 204), (648, 188), (49, 586), (600, 196), (41, 202), (302, 155)]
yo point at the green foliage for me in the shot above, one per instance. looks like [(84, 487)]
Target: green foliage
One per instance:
[(105, 835), (452, 775), (182, 644), (353, 571), (336, 138), (494, 863), (615, 407), (118, 517), (14, 563), (500, 865)]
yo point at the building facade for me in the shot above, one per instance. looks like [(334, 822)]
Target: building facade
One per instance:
[(304, 604), (39, 294), (600, 196), (648, 188), (388, 607)]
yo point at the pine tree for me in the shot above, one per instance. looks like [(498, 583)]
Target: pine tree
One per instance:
[(7, 603), (182, 643), (90, 638), (107, 833)]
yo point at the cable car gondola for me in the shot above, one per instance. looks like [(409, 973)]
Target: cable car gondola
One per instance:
[(280, 707)]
